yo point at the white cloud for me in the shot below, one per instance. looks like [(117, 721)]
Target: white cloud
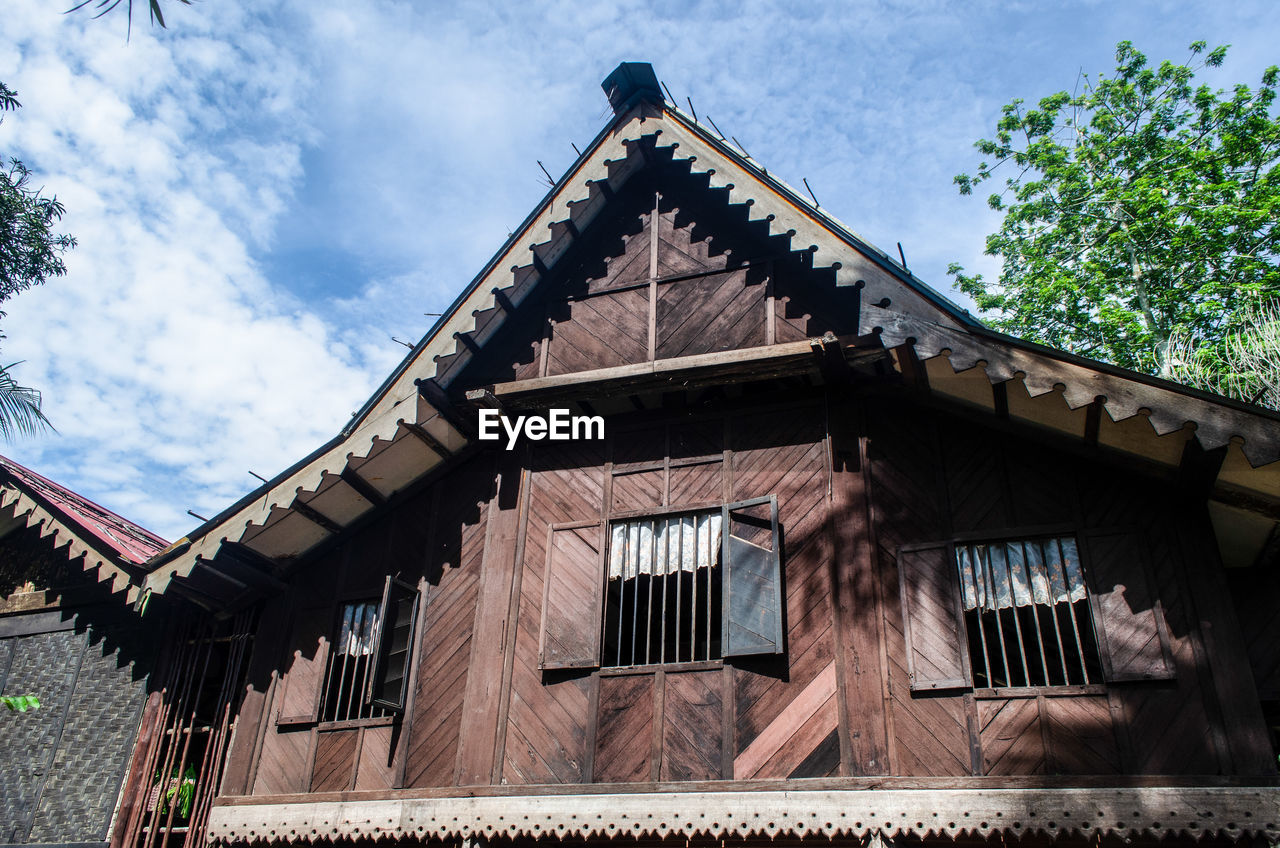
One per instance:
[(264, 196)]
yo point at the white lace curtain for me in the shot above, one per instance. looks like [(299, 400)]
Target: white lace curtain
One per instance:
[(359, 624), (664, 545), (1005, 574)]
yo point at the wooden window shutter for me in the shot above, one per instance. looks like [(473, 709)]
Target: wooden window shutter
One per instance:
[(752, 582), (937, 647), (397, 617), (1133, 639), (300, 692), (572, 593)]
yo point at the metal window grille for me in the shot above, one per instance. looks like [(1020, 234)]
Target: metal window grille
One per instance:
[(350, 664), (1026, 610), (663, 594)]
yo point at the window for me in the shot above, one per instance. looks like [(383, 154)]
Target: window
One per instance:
[(1026, 612), (1033, 610), (663, 590), (356, 667), (346, 678), (678, 586)]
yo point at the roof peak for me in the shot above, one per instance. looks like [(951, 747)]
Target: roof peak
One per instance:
[(630, 83)]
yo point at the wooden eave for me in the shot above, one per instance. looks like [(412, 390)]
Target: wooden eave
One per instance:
[(397, 437), (824, 809), (309, 504), (22, 508)]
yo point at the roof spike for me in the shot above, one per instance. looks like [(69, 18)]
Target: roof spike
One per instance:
[(631, 83)]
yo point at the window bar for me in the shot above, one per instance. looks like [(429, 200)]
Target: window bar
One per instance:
[(177, 687), (622, 584), (635, 598), (356, 614), (693, 602), (1044, 662), (666, 567), (365, 669), (979, 584), (707, 565), (653, 577), (194, 704), (1053, 613), (1004, 654), (1071, 607), (328, 675), (1017, 623), (679, 593)]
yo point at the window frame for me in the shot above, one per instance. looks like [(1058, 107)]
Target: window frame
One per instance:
[(305, 686), (1095, 633), (592, 658), (1086, 539)]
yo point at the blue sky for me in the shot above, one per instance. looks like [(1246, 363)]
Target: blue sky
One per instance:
[(266, 194)]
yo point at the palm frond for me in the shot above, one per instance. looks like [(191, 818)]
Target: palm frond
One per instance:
[(20, 413)]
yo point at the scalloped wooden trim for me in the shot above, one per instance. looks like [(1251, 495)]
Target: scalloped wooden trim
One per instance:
[(1121, 811)]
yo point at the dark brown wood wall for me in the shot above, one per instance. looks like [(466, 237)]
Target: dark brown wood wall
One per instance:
[(664, 274), (435, 539), (933, 477), (856, 480)]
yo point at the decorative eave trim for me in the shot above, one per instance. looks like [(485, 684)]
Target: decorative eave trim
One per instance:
[(1168, 407), (64, 534), (1125, 812)]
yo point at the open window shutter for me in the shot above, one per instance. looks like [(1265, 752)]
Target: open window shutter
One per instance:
[(572, 591), (937, 654), (752, 582), (397, 619), (1127, 614), (300, 693)]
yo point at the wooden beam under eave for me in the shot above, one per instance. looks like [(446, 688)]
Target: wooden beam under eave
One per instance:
[(363, 487), (315, 516), (424, 436), (436, 397), (234, 559), (746, 365)]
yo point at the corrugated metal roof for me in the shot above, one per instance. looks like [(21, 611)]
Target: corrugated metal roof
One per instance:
[(127, 540)]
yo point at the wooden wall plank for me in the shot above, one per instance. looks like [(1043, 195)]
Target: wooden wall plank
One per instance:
[(334, 769), (375, 768), (693, 706), (624, 738), (856, 609), (547, 732), (456, 547), (930, 734), (1012, 741), (1082, 738), (479, 728)]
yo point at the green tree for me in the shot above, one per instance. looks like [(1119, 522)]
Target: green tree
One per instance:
[(30, 253), (1137, 208), (1243, 365)]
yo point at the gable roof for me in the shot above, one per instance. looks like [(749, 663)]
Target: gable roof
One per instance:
[(115, 547), (407, 428)]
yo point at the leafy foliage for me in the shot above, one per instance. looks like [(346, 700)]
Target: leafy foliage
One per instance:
[(20, 703), (1138, 207), (179, 791), (102, 7), (1244, 365), (30, 253)]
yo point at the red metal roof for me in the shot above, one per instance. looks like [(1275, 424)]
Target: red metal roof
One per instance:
[(101, 526)]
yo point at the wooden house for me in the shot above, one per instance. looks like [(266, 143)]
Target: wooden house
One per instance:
[(844, 564), (69, 572)]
